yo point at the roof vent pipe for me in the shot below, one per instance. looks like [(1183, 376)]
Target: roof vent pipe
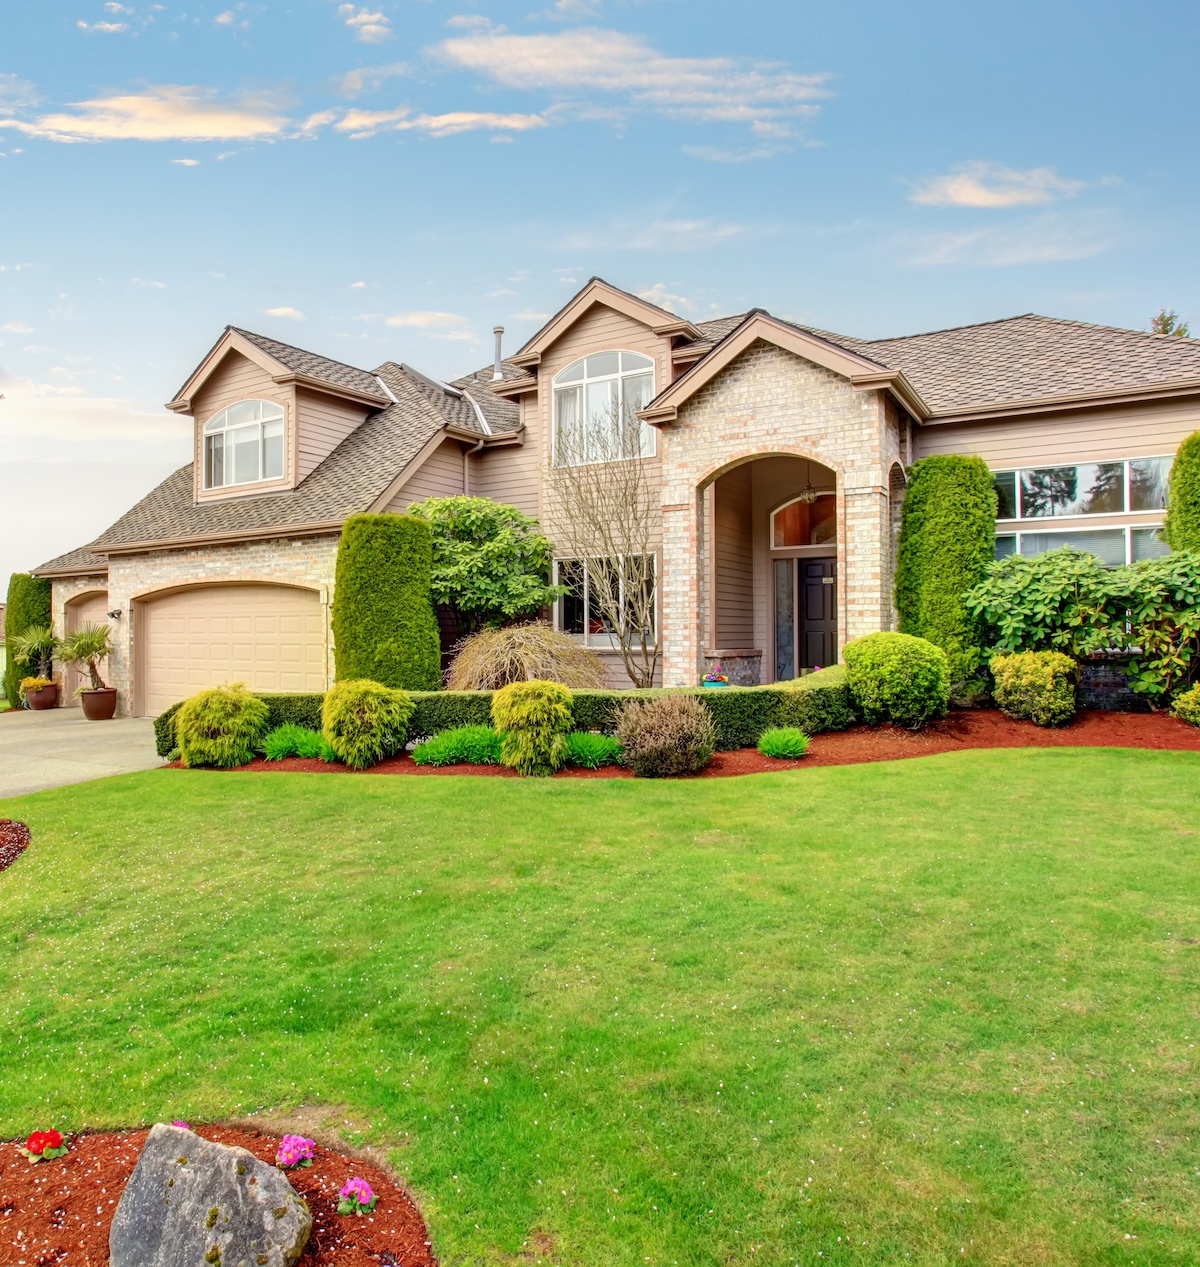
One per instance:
[(497, 369)]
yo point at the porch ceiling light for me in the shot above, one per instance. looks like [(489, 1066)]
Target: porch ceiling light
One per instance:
[(809, 494)]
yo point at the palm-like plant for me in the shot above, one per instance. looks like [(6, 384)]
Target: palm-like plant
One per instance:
[(85, 648), (36, 647)]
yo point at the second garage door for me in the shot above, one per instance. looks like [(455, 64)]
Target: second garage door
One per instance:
[(271, 637)]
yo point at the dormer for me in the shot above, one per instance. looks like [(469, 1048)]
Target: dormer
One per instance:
[(267, 414)]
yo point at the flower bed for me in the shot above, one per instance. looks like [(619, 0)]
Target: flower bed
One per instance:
[(14, 840)]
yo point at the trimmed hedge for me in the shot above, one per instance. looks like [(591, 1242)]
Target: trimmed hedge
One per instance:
[(28, 604), (1181, 531), (384, 627)]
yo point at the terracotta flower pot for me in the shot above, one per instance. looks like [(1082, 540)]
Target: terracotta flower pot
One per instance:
[(99, 705), (46, 697)]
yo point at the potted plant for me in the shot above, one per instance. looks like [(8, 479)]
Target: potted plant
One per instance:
[(36, 647), (84, 649), (714, 677)]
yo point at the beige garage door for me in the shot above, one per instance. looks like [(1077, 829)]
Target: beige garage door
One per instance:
[(268, 636), (88, 609)]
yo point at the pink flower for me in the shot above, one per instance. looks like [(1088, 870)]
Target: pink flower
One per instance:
[(357, 1190), (295, 1150), (183, 1126)]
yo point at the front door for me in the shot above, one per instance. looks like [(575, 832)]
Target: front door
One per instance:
[(805, 615)]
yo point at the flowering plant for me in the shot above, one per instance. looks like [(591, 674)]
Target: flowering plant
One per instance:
[(357, 1197), (44, 1146), (183, 1126), (293, 1151), (715, 675)]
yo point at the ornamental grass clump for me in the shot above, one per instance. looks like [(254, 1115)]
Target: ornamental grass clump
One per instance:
[(1038, 686), (533, 719), (590, 751), (667, 736), (363, 722), (897, 678), (783, 742), (291, 740), (493, 658), (220, 727), (463, 745)]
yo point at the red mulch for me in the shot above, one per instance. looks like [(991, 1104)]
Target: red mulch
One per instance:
[(14, 840), (59, 1212), (962, 729)]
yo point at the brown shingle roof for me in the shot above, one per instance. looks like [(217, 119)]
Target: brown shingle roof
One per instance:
[(313, 365), (81, 562)]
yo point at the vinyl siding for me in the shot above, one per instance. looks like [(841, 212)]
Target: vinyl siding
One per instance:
[(734, 553), (440, 475), (322, 424)]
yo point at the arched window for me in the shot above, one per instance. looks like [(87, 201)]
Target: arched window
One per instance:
[(807, 520), (243, 444), (596, 401)]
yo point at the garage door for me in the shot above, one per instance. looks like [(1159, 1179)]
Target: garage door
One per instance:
[(268, 636), (90, 609)]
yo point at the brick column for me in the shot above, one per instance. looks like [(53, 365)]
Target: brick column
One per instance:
[(679, 614)]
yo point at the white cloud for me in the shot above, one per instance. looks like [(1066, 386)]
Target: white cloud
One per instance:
[(292, 314), (765, 96), (1047, 239), (111, 6), (660, 234), (358, 285), (106, 28), (147, 285), (990, 185), (434, 325), (363, 123), (369, 78), (16, 327), (471, 22), (168, 112), (529, 316), (16, 92), (369, 27), (742, 154), (228, 18), (660, 295), (575, 8), (187, 162)]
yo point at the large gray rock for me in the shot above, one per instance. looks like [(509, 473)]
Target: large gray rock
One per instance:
[(193, 1203)]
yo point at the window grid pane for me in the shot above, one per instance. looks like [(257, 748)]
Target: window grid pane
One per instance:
[(599, 423)]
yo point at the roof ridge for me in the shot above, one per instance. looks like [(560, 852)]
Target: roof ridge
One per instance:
[(971, 325), (253, 334)]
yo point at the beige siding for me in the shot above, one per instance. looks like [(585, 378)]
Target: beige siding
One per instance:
[(734, 559), (1126, 431), (512, 474), (322, 424), (440, 475)]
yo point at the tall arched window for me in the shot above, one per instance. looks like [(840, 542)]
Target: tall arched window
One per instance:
[(243, 444), (596, 401), (807, 520)]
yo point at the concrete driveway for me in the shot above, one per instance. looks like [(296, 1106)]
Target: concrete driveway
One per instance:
[(59, 746)]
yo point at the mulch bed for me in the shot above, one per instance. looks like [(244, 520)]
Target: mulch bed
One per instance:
[(14, 840), (962, 729), (59, 1212)]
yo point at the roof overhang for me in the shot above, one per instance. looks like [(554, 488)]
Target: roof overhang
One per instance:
[(229, 538), (759, 326), (55, 574), (1060, 404)]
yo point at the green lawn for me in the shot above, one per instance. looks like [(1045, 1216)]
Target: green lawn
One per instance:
[(865, 1014)]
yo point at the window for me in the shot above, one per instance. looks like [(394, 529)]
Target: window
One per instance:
[(597, 588), (1112, 546), (596, 401), (243, 444), (1088, 488), (802, 523)]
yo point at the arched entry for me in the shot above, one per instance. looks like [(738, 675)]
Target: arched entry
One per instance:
[(84, 609)]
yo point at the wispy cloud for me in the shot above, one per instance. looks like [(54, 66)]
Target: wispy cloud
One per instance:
[(529, 316), (657, 234), (369, 27), (104, 28), (363, 123), (16, 327), (981, 184), (434, 325), (368, 78), (1046, 239), (16, 92), (292, 314), (186, 162), (737, 154), (169, 112), (228, 18), (147, 284)]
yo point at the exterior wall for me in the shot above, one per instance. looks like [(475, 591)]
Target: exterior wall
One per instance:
[(733, 545), (442, 474), (64, 591), (308, 562), (511, 473), (322, 423)]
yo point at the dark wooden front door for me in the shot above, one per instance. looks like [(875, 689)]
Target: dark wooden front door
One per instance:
[(805, 615)]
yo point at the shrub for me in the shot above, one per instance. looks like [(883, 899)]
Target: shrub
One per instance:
[(590, 751), (444, 710), (384, 628), (290, 740), (220, 727), (84, 649), (28, 603), (666, 736), (783, 742), (947, 541), (815, 703), (1181, 531), (363, 722), (35, 649), (533, 718), (1187, 706), (493, 658), (898, 678), (1035, 685), (469, 745), (1157, 615)]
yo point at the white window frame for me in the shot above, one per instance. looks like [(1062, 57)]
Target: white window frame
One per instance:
[(1128, 529), (647, 433), (600, 642), (1042, 519), (219, 424)]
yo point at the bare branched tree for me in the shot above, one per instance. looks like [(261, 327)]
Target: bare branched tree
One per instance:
[(603, 515)]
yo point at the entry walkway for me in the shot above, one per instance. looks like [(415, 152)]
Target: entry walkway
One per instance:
[(60, 746)]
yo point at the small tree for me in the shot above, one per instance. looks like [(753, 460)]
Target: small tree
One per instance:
[(1168, 322), (1181, 531), (604, 516), (491, 563), (28, 604), (84, 649)]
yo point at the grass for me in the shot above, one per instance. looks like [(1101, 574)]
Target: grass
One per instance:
[(924, 1011)]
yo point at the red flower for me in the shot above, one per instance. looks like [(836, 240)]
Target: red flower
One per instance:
[(39, 1141)]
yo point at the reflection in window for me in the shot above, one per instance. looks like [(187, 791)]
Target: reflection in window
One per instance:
[(1006, 494), (801, 523), (1148, 483), (243, 444), (1147, 543), (1108, 544), (600, 587), (596, 402), (1005, 546), (1093, 488)]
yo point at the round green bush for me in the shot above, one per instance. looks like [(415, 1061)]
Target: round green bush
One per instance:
[(590, 751), (1181, 531), (1187, 705), (897, 678), (463, 745), (533, 718), (1038, 686), (666, 736), (220, 727), (783, 742), (364, 722)]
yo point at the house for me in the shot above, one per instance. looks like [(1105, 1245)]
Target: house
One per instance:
[(777, 454)]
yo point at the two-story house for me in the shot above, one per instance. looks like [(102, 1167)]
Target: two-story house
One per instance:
[(777, 454)]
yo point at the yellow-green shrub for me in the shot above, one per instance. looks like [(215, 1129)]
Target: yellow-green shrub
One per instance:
[(1035, 685), (363, 722), (220, 726), (534, 718), (1187, 705)]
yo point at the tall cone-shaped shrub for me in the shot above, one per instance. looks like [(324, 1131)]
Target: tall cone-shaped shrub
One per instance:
[(1182, 528), (28, 604), (384, 628)]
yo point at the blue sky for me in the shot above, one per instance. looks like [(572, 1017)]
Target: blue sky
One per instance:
[(390, 180)]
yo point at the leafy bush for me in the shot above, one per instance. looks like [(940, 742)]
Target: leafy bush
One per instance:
[(493, 658), (1035, 685), (590, 751), (363, 722), (815, 703), (533, 718), (947, 541), (220, 727), (384, 628), (290, 740), (668, 735), (898, 678), (1057, 601), (470, 745), (783, 742), (1181, 531), (1187, 706), (28, 603), (1159, 601)]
